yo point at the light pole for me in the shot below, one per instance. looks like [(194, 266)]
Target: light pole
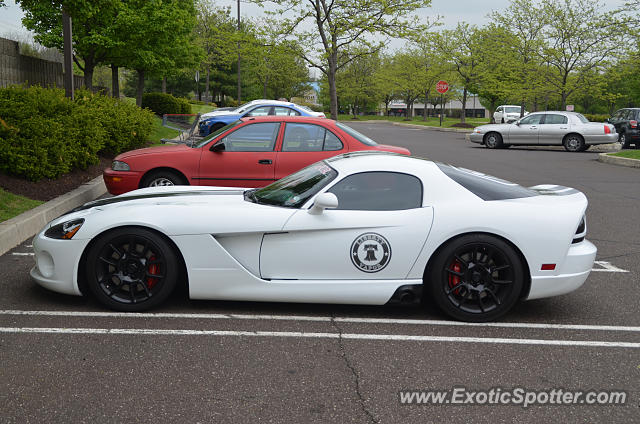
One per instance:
[(239, 88)]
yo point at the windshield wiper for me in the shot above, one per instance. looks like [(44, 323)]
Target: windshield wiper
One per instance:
[(250, 195)]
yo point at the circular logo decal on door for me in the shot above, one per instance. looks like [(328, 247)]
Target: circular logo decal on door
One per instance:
[(370, 252)]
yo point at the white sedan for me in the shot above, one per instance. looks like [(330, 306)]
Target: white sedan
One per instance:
[(360, 228), (569, 129)]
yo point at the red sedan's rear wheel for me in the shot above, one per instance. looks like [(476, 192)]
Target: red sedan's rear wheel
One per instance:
[(476, 277)]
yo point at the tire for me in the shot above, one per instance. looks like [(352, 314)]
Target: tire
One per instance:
[(624, 143), (475, 278), (573, 143), (493, 140), (162, 178), (215, 127), (131, 280)]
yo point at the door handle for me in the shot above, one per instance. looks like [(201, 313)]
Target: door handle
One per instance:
[(265, 161)]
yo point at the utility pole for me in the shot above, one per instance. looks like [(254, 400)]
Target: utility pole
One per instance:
[(68, 55), (239, 88)]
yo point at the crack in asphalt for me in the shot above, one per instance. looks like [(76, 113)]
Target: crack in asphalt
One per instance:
[(356, 377)]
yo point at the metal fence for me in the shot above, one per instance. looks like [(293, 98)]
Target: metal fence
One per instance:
[(16, 68)]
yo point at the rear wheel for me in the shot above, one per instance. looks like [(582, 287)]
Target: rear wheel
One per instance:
[(493, 140), (476, 278), (162, 178), (622, 139), (131, 269), (573, 143)]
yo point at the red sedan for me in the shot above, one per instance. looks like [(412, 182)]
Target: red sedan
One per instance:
[(251, 152)]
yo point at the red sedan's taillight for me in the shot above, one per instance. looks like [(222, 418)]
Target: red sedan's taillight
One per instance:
[(607, 130), (634, 124)]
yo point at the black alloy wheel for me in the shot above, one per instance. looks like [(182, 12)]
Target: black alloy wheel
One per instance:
[(476, 278), (131, 269)]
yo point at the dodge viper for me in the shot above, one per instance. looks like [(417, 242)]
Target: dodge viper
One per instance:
[(359, 228)]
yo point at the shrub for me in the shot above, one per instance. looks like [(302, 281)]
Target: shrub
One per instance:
[(595, 117), (43, 134), (161, 103)]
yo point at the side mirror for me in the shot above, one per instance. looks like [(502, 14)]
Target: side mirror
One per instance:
[(323, 201), (517, 123), (218, 147)]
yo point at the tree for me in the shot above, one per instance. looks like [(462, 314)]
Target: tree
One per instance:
[(462, 49), (93, 34), (356, 84), (579, 39), (341, 29), (407, 68), (383, 80), (216, 33), (157, 37)]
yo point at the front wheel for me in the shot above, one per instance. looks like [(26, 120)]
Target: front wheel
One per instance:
[(162, 178), (476, 278), (493, 140), (131, 269), (573, 143)]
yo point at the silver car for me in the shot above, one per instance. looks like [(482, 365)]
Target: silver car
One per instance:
[(569, 129)]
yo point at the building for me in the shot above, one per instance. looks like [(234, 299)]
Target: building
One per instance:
[(452, 107)]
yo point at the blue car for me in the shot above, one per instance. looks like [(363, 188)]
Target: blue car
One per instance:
[(213, 121)]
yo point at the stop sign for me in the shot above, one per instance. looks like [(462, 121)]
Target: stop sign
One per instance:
[(442, 87)]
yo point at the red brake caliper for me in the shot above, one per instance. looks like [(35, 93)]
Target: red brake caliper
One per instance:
[(153, 269), (454, 279)]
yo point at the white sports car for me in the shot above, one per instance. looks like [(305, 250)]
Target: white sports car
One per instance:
[(360, 228)]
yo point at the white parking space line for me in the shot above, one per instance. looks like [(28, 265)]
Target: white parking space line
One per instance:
[(363, 320), (297, 334), (23, 254), (607, 267)]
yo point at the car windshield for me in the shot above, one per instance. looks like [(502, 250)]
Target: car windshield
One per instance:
[(294, 190), (582, 118), (512, 109), (355, 134), (216, 133), (245, 107)]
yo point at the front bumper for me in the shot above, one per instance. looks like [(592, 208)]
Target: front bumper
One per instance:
[(57, 262), (119, 182), (568, 276), (474, 137)]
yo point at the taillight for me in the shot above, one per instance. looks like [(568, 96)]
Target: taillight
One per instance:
[(607, 130), (634, 124)]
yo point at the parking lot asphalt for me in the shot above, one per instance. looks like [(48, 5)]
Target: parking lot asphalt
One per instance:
[(67, 359)]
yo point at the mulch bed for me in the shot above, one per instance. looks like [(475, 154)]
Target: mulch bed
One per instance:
[(461, 125), (46, 189)]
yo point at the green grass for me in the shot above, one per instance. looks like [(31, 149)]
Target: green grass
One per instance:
[(159, 132), (13, 205), (201, 108), (631, 154), (417, 120)]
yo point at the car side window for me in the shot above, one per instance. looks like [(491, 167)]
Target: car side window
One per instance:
[(499, 109), (378, 191), (555, 119), (257, 137), (309, 138), (260, 111), (617, 114), (627, 115), (284, 111), (531, 119)]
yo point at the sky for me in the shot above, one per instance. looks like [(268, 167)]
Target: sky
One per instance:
[(452, 11)]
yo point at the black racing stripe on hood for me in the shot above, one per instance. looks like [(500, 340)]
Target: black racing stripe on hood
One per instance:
[(118, 199)]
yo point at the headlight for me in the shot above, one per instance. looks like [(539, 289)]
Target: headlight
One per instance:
[(477, 131), (65, 230), (117, 165)]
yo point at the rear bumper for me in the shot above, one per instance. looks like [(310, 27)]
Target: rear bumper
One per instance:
[(569, 276), (602, 139), (119, 182)]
